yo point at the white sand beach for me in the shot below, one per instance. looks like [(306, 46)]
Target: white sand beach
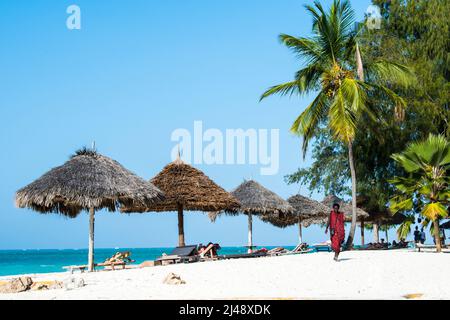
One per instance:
[(359, 275)]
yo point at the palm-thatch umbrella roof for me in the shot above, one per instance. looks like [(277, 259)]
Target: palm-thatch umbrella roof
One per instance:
[(306, 212), (345, 207), (87, 181), (257, 200), (187, 188)]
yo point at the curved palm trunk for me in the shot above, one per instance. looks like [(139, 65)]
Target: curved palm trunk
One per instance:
[(351, 234), (437, 236)]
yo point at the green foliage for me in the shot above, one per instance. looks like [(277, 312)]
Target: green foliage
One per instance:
[(426, 181), (414, 33), (330, 171), (330, 68), (404, 229)]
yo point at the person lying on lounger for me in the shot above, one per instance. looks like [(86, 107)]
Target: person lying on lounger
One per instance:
[(210, 250)]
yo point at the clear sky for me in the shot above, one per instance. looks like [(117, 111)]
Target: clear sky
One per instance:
[(136, 71)]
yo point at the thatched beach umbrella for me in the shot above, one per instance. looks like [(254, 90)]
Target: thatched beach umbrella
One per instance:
[(306, 212), (88, 181), (346, 208), (187, 188), (257, 200)]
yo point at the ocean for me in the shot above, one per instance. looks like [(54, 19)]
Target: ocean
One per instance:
[(14, 262)]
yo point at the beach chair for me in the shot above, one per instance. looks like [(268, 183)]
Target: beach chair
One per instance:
[(427, 247), (83, 268), (322, 247), (119, 259), (243, 255), (277, 251), (209, 253), (300, 248), (184, 254)]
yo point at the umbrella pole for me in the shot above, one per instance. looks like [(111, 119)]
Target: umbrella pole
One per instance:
[(362, 231), (300, 240), (180, 226), (91, 240), (250, 238)]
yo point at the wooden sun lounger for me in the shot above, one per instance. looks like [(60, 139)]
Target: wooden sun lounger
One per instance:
[(83, 268), (298, 252), (419, 246), (180, 255), (243, 255), (322, 247)]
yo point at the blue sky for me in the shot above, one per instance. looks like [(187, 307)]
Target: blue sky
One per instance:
[(136, 71)]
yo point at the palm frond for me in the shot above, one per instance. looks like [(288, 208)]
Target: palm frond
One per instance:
[(288, 88), (303, 47), (391, 72), (342, 118), (308, 121)]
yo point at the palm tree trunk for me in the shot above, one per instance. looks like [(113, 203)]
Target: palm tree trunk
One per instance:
[(250, 236), (376, 235), (91, 240), (180, 226), (351, 234), (437, 235)]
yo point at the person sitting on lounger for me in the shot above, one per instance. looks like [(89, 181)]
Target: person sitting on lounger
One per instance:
[(201, 248), (210, 250)]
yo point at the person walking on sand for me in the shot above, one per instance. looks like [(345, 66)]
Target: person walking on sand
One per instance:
[(337, 231)]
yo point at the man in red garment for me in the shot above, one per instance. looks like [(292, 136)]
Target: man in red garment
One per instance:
[(337, 231)]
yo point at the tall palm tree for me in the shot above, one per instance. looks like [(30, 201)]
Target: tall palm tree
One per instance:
[(426, 185), (333, 69)]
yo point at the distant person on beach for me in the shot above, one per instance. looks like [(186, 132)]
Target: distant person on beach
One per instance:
[(337, 231), (416, 235), (423, 237)]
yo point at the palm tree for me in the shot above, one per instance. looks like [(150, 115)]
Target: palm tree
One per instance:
[(426, 184), (404, 229), (333, 68)]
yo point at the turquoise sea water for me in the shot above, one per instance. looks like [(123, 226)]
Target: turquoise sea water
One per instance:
[(52, 260)]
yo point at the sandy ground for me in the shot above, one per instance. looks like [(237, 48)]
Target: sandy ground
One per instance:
[(359, 275)]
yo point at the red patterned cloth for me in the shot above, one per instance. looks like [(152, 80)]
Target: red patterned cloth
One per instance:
[(337, 224)]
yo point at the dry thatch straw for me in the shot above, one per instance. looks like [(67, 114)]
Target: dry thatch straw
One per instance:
[(345, 207), (190, 187), (257, 200), (306, 212), (187, 188), (88, 181)]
